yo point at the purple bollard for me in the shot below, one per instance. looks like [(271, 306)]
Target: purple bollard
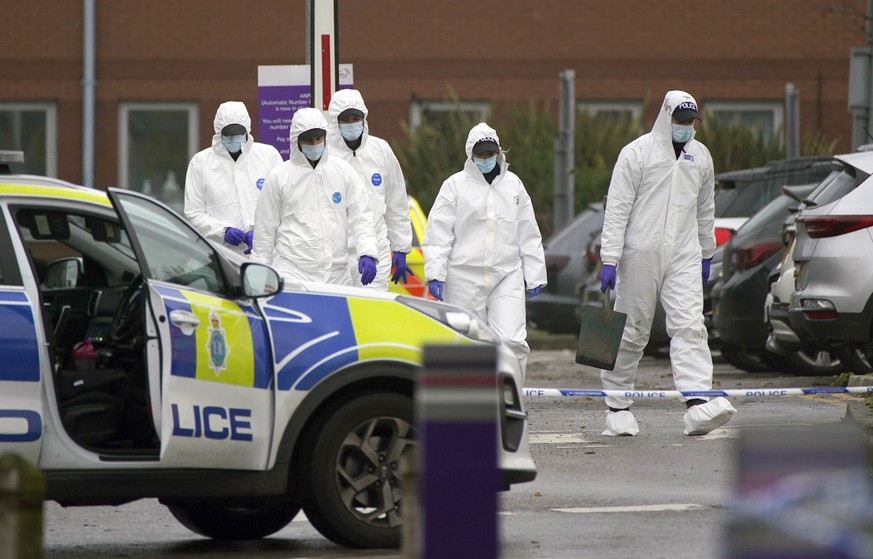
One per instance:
[(456, 406)]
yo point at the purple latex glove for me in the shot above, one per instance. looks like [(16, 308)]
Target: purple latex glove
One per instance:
[(436, 289), (533, 292), (705, 266), (234, 236), (607, 277), (398, 264), (249, 237), (367, 269)]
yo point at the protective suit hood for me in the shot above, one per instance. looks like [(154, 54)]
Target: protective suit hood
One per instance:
[(480, 132), (232, 112), (342, 100), (663, 123), (303, 120)]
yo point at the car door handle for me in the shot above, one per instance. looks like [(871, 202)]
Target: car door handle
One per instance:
[(184, 321)]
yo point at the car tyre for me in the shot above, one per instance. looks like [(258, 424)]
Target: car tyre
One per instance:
[(352, 494), (813, 363), (746, 360), (857, 360), (222, 520)]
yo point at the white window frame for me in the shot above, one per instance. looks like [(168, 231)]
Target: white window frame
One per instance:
[(635, 108), (51, 130), (419, 106), (776, 107), (124, 109)]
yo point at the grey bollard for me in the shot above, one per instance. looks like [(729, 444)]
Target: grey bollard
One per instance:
[(22, 488)]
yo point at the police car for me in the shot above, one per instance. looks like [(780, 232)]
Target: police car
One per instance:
[(138, 360)]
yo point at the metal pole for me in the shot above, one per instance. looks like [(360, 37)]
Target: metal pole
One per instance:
[(868, 123), (564, 184), (792, 121), (88, 85)]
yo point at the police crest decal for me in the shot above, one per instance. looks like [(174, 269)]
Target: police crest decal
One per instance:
[(216, 344)]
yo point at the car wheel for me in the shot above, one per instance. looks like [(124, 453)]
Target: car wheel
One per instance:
[(352, 493), (223, 520), (813, 363), (746, 360), (857, 360)]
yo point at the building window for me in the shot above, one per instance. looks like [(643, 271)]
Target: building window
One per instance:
[(766, 116), (31, 128), (440, 113), (156, 141), (611, 111)]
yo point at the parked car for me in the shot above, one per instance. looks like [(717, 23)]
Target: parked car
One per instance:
[(139, 360), (832, 304), (554, 309), (741, 194), (748, 261)]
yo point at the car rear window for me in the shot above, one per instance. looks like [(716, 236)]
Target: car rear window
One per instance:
[(837, 185)]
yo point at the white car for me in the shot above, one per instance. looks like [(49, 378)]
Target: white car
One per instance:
[(139, 360)]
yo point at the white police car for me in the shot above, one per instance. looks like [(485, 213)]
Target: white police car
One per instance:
[(231, 399)]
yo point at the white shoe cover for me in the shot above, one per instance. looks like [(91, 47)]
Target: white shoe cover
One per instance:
[(704, 418), (621, 423)]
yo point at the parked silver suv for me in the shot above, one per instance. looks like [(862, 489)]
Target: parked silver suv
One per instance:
[(833, 256)]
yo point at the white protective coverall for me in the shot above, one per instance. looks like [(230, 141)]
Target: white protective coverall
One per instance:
[(658, 225), (221, 192), (483, 241), (378, 167), (307, 213)]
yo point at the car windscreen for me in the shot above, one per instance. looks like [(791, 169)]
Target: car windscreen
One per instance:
[(572, 238), (744, 199)]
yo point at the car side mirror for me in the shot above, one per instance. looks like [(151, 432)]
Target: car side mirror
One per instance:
[(260, 280), (63, 273)]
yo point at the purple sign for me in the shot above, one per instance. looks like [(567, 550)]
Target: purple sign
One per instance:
[(281, 91)]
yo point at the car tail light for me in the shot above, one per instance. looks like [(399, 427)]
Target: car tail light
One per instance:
[(556, 262), (831, 226), (818, 309), (751, 254), (722, 235)]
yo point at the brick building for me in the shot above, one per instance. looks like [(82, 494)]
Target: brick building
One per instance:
[(163, 67)]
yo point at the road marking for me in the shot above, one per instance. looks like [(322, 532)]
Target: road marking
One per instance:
[(556, 438), (638, 508)]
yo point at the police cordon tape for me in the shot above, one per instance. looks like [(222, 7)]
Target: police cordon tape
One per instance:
[(737, 392)]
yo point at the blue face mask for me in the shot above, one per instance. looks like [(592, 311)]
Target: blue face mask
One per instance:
[(682, 132), (486, 165), (312, 152), (351, 131), (233, 143)]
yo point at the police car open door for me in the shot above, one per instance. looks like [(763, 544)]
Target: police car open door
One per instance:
[(23, 357), (208, 353)]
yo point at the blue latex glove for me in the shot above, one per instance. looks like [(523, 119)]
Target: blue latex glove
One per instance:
[(398, 263), (249, 236), (607, 277), (367, 269), (234, 236), (436, 289), (533, 292), (705, 266)]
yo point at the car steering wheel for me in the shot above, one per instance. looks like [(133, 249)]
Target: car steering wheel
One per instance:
[(127, 321)]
